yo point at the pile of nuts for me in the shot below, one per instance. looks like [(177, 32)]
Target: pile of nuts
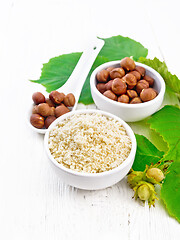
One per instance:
[(127, 84), (46, 110)]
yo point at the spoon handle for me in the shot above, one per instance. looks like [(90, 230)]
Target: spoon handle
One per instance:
[(76, 81)]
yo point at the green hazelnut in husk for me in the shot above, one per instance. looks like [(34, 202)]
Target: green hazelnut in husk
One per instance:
[(155, 173), (143, 192)]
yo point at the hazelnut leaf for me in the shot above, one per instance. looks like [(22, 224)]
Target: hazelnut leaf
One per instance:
[(146, 153), (170, 191), (166, 122), (56, 72), (118, 47)]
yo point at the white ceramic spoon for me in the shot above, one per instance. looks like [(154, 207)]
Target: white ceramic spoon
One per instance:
[(76, 81)]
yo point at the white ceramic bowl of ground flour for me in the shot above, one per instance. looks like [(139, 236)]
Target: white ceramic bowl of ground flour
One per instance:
[(88, 180)]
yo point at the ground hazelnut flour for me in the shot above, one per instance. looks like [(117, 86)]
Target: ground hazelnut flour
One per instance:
[(89, 142)]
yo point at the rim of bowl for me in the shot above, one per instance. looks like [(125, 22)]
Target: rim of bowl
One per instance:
[(125, 105), (114, 170)]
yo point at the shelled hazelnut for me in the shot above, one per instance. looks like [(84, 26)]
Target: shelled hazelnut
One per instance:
[(101, 87), (123, 98), (56, 97), (37, 120), (103, 76), (60, 110), (149, 79), (38, 98), (110, 94), (69, 100), (117, 73), (126, 83), (47, 110), (142, 84), (108, 85), (119, 86)]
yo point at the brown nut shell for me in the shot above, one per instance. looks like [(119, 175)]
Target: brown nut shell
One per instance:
[(35, 110), (37, 121), (102, 76), (128, 64), (56, 97), (108, 85), (149, 79), (69, 100), (131, 80), (52, 111), (117, 73), (49, 102), (141, 70), (132, 93), (136, 74), (135, 100), (44, 109), (142, 84), (38, 98), (109, 94), (119, 86), (60, 110), (109, 69), (101, 87), (148, 94), (123, 98), (49, 120)]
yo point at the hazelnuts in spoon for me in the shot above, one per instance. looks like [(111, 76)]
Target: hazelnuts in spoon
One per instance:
[(46, 110), (126, 83)]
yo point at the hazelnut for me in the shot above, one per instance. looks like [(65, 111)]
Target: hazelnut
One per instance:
[(49, 120), (49, 102), (135, 100), (101, 87), (60, 110), (132, 93), (142, 84), (119, 86), (37, 121), (35, 109), (131, 80), (43, 109), (52, 111), (117, 73), (109, 69), (38, 98), (128, 64), (149, 79), (108, 85), (136, 74), (148, 94), (69, 100), (110, 94), (141, 70), (123, 98), (56, 97), (102, 76)]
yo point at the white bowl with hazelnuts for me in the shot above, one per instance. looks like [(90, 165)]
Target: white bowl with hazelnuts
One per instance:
[(128, 89)]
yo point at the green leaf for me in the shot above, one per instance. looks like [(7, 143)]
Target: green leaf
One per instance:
[(171, 80), (118, 47), (146, 153), (57, 71), (170, 191), (166, 122)]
